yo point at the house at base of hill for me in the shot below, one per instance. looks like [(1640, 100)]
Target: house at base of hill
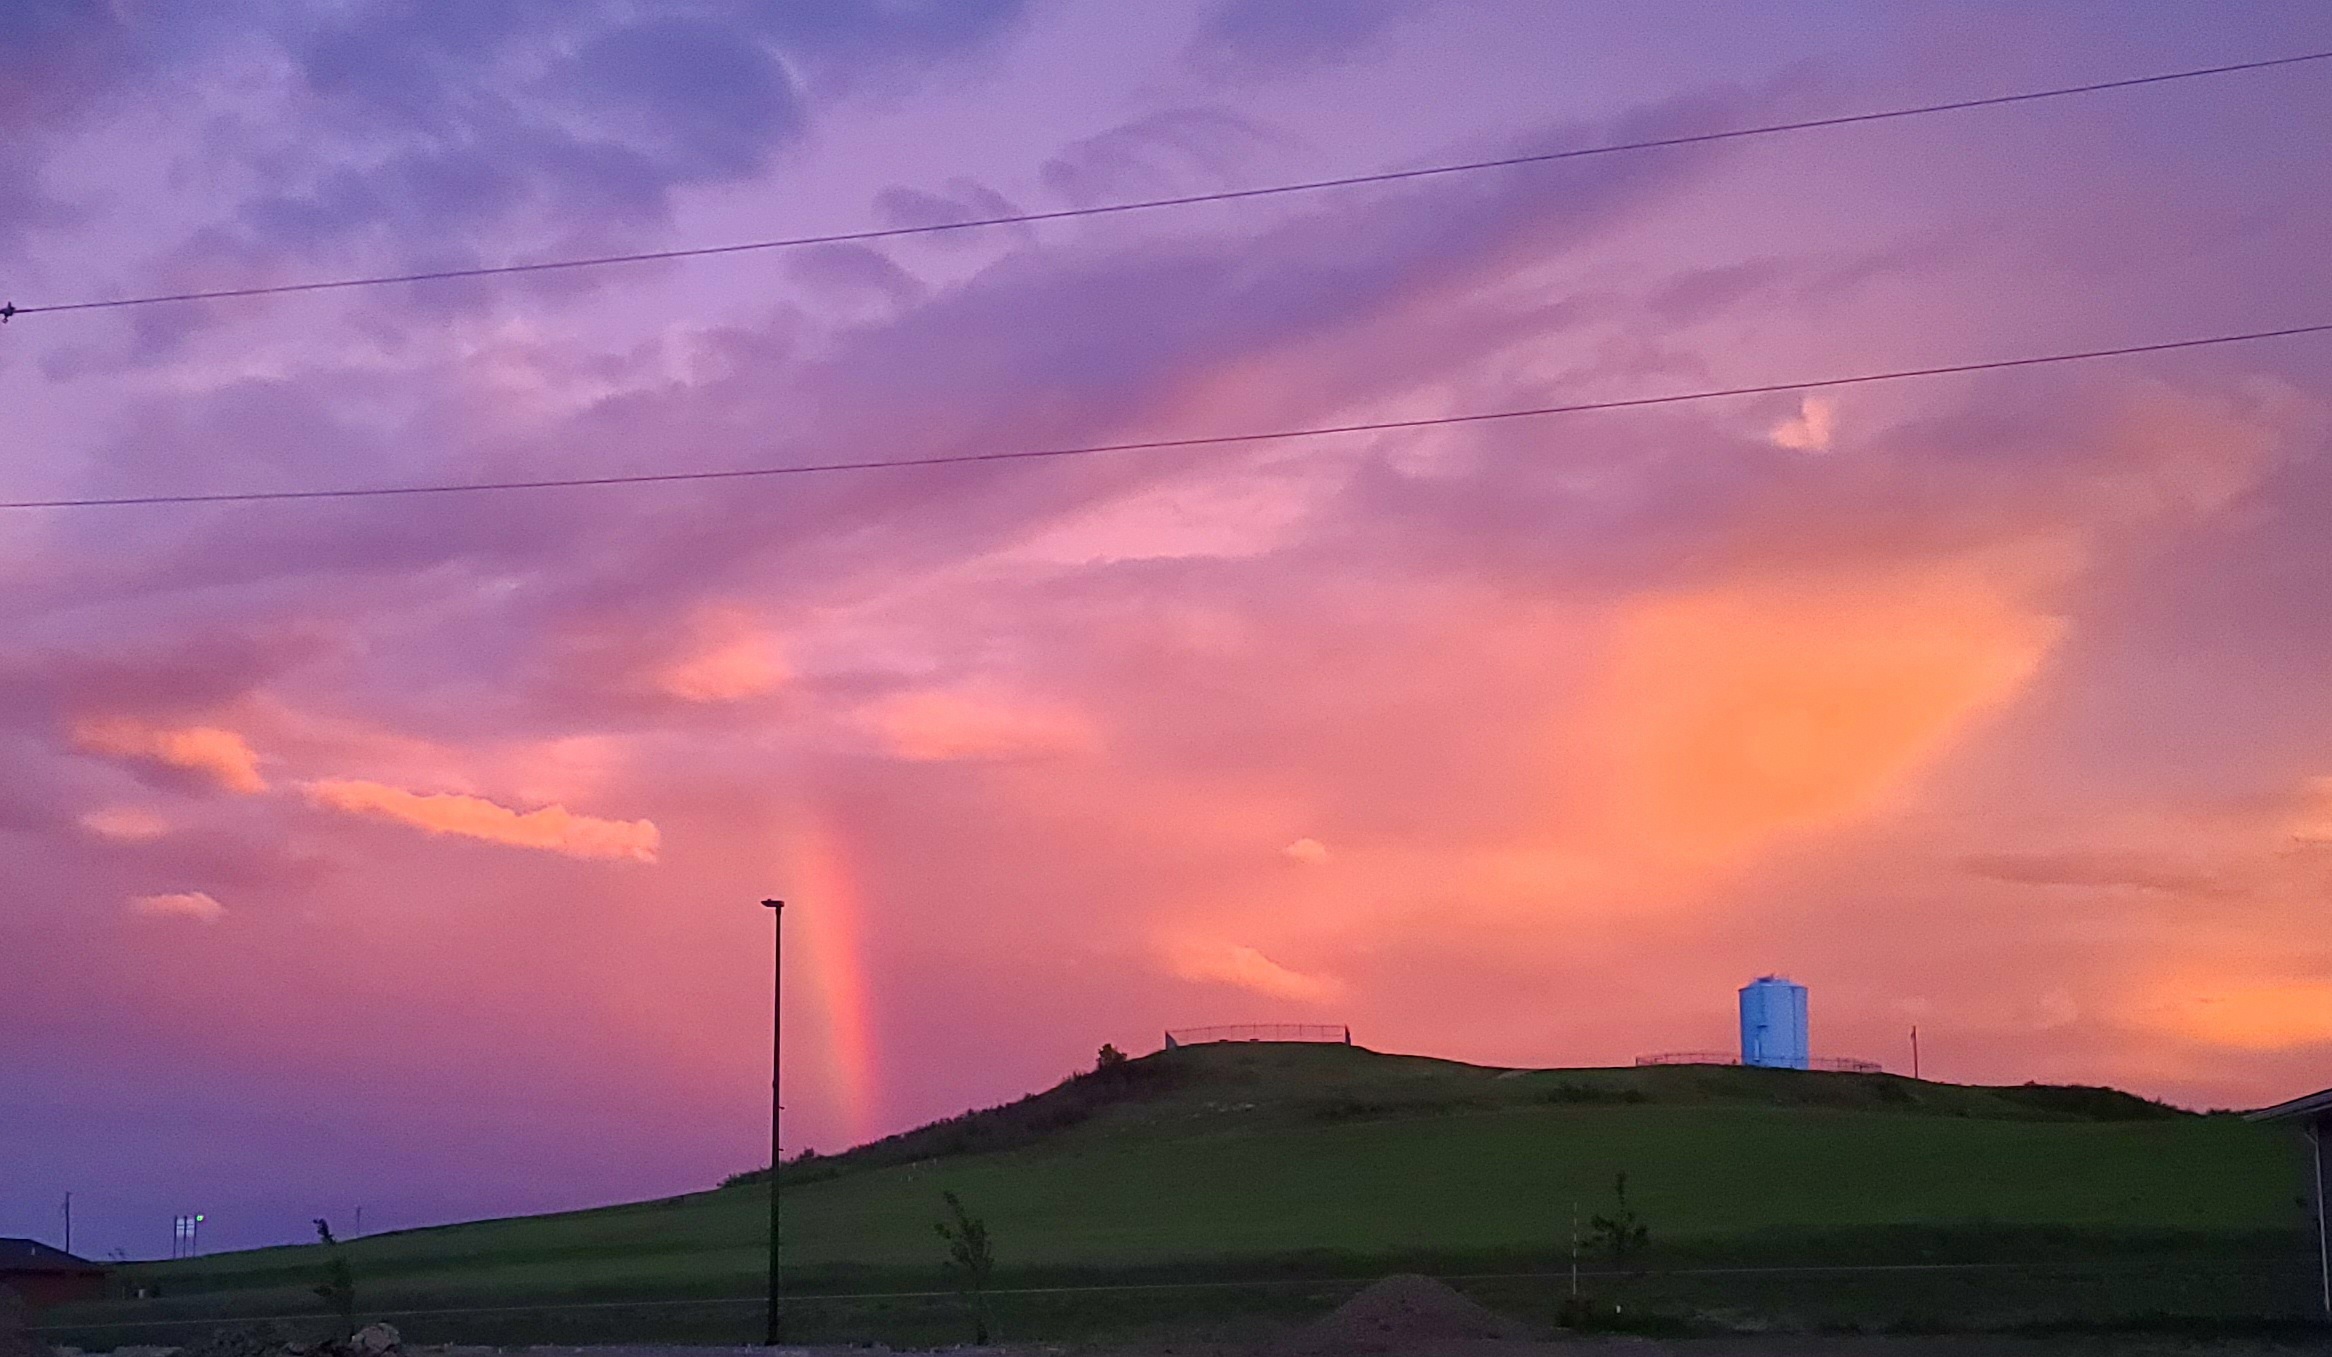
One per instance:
[(46, 1276)]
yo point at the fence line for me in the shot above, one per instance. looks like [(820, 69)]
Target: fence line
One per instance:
[(1260, 1031), (1834, 1064)]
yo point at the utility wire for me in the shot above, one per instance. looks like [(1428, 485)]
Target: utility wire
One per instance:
[(1184, 200), (1156, 444)]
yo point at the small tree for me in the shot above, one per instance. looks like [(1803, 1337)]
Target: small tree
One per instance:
[(338, 1289), (1622, 1234), (970, 1258), (1111, 1061)]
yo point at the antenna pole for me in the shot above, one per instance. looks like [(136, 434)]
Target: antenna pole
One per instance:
[(1914, 1050), (774, 1332)]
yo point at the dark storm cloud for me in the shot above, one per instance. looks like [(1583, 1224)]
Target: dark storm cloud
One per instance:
[(1033, 351), (418, 131), (59, 59), (890, 30), (1256, 39), (1152, 154), (965, 200)]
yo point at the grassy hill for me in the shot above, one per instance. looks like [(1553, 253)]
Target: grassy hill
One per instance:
[(1239, 1160)]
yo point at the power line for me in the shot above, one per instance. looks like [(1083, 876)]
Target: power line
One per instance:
[(1183, 200), (1157, 444)]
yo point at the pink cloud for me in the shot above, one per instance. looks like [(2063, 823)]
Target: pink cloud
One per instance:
[(218, 754), (126, 824), (551, 829), (1246, 968), (193, 905), (1310, 852), (1810, 429), (942, 727), (734, 660)]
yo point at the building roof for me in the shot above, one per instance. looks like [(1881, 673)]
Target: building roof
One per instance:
[(30, 1255), (2313, 1104)]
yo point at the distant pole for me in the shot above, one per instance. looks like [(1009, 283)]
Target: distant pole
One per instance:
[(1574, 1246), (68, 1222), (1914, 1050), (359, 1231), (775, 1329)]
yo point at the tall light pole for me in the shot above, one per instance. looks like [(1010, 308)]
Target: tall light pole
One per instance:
[(776, 1330)]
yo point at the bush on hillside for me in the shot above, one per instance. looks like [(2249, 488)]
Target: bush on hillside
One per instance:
[(971, 1259), (338, 1289)]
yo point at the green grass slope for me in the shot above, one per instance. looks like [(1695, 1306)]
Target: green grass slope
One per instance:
[(1226, 1160)]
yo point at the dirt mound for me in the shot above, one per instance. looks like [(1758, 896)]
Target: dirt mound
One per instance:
[(1404, 1312)]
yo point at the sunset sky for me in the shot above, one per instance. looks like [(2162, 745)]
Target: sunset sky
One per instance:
[(407, 852)]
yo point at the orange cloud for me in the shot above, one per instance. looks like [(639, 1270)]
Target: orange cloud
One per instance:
[(1734, 712), (220, 755), (2313, 824), (1311, 852), (552, 829), (2249, 1015), (953, 727), (1247, 969), (193, 905), (129, 824)]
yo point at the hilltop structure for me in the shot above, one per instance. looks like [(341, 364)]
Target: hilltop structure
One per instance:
[(1775, 1035), (1773, 1024)]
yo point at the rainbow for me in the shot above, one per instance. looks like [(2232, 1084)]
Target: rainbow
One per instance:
[(826, 911)]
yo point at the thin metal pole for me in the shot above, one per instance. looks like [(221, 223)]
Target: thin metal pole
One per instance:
[(1574, 1247), (776, 1328), (1914, 1050), (2323, 1230)]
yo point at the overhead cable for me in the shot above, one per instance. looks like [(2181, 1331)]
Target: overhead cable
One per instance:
[(646, 478), (1151, 204)]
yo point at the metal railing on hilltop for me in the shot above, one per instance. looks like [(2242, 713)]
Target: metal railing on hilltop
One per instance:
[(1835, 1064), (1260, 1031)]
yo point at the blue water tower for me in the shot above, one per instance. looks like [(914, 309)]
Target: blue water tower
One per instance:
[(1773, 1023)]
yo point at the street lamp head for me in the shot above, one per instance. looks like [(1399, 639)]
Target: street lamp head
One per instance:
[(773, 904)]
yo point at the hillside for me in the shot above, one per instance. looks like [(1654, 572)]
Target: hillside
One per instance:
[(1261, 1085), (1225, 1159)]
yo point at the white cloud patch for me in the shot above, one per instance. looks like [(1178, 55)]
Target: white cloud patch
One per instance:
[(1311, 852)]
